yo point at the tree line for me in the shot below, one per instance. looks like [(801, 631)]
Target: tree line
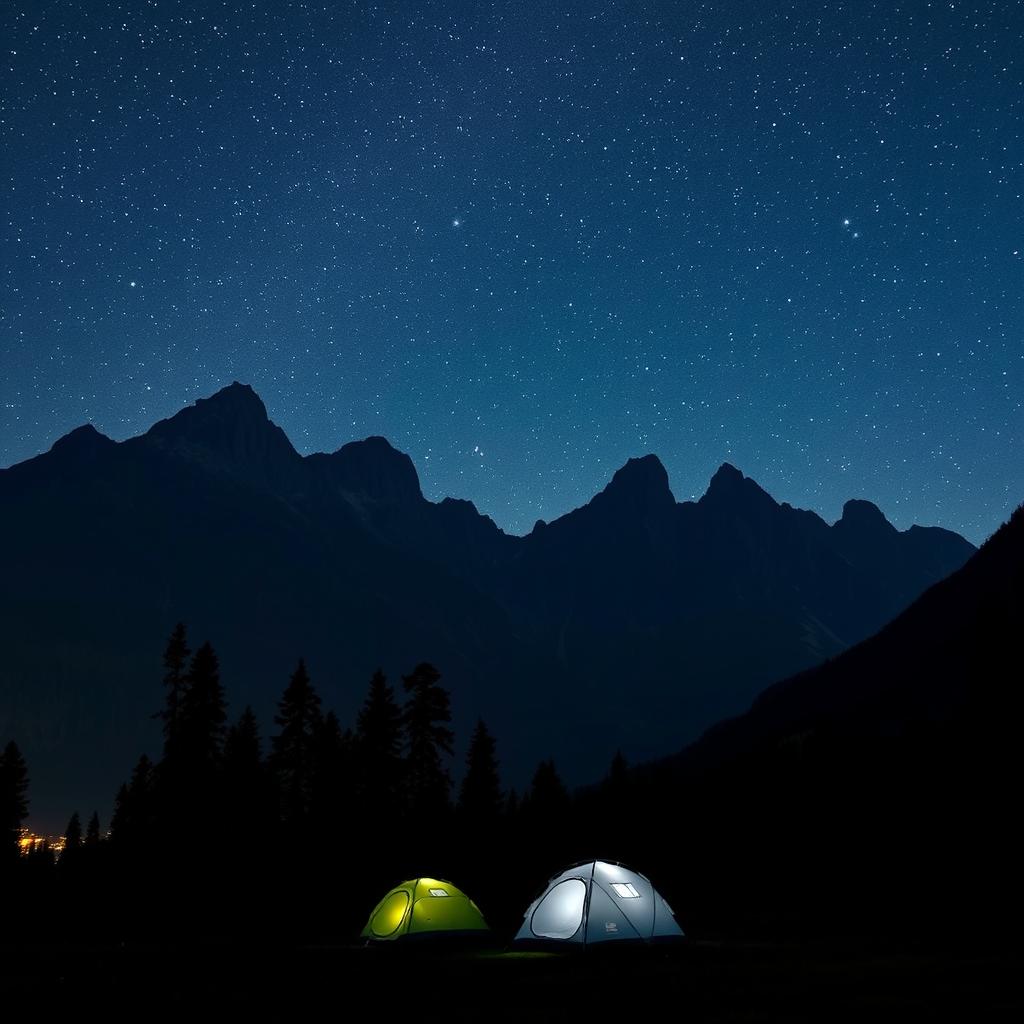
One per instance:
[(833, 831), (223, 812)]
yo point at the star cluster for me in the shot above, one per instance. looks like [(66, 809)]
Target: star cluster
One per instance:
[(526, 242)]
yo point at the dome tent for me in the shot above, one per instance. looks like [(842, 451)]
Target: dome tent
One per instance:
[(424, 908), (594, 902)]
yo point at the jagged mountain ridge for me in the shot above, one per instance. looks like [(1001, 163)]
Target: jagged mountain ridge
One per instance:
[(211, 516), (880, 786), (945, 665)]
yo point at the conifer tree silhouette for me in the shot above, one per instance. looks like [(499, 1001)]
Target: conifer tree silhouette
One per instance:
[(291, 758), (427, 738), (13, 800), (480, 796), (92, 832), (247, 819), (73, 836), (243, 756), (331, 790), (176, 681), (246, 804), (185, 795), (201, 714), (547, 788), (378, 749), (120, 820), (134, 807), (377, 772), (546, 809)]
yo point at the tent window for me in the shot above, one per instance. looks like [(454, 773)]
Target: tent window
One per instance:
[(625, 891), (438, 892)]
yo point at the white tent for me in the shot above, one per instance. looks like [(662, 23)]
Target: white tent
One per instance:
[(598, 901)]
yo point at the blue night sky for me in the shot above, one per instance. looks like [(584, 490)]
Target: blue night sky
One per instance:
[(528, 241)]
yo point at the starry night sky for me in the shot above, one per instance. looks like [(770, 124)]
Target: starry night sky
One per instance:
[(528, 241)]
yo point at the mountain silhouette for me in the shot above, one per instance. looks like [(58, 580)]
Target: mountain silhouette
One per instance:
[(230, 434), (943, 664), (880, 786), (633, 621)]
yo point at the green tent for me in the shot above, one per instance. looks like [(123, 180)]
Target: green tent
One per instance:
[(424, 907)]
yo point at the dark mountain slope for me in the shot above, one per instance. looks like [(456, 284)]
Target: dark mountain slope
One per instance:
[(940, 664), (878, 791), (631, 622)]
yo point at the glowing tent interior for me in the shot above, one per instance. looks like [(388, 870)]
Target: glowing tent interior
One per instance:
[(424, 907), (597, 901)]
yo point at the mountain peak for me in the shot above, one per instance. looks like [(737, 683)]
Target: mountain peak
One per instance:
[(375, 468), (641, 484), (861, 514), (85, 433), (230, 430), (85, 439), (239, 398), (373, 443), (730, 486), (725, 475), (236, 402), (642, 467)]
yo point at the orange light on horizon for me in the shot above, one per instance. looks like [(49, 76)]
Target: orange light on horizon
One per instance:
[(29, 841)]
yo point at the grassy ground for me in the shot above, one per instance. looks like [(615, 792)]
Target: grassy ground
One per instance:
[(700, 982)]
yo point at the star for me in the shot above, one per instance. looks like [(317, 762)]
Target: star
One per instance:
[(577, 184)]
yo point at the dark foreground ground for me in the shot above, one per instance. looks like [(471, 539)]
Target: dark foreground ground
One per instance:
[(702, 981)]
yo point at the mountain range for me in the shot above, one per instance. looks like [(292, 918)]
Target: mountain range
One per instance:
[(880, 789), (947, 665), (633, 622)]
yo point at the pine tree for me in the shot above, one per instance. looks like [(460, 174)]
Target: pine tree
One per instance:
[(427, 738), (291, 756), (73, 835), (13, 800), (546, 810), (186, 788), (92, 832), (176, 680), (141, 785), (548, 797), (134, 807), (247, 799), (331, 788), (243, 758), (120, 820), (378, 746), (480, 798), (201, 714)]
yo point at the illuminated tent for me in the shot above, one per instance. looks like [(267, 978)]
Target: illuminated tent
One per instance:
[(597, 902), (426, 908)]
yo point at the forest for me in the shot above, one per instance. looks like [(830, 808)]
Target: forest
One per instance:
[(304, 831), (293, 837)]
